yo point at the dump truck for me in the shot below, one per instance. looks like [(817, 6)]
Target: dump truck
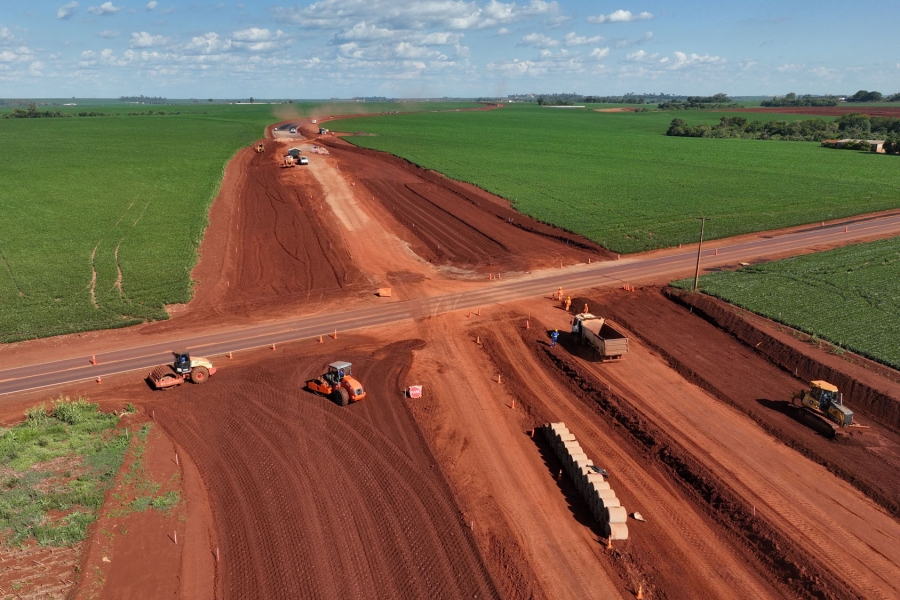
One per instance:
[(338, 384), (595, 332), (184, 368), (823, 400)]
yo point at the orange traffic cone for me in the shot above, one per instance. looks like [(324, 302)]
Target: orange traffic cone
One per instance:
[(320, 339), (229, 355), (609, 543), (335, 334), (99, 380), (527, 324), (478, 340), (640, 593), (93, 359)]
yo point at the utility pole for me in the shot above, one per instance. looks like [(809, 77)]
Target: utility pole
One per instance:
[(699, 247)]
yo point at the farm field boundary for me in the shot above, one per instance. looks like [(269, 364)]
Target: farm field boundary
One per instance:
[(616, 179), (847, 296), (848, 373)]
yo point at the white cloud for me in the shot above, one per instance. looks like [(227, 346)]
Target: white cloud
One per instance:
[(208, 43), (20, 54), (683, 60), (255, 34), (620, 16), (146, 40), (789, 68), (108, 34), (598, 53), (450, 14), (641, 56), (36, 67), (6, 36), (66, 10), (538, 40), (107, 8), (826, 73), (747, 65), (504, 31), (152, 4), (573, 39)]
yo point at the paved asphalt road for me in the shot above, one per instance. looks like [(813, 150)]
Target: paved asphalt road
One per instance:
[(602, 274)]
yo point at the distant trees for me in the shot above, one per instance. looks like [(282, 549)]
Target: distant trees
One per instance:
[(144, 99), (892, 145), (864, 96), (792, 99), (854, 126), (714, 101)]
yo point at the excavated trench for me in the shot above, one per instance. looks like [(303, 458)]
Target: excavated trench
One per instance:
[(789, 565)]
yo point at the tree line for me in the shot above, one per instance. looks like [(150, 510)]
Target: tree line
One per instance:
[(793, 99), (854, 125), (33, 113), (714, 101)]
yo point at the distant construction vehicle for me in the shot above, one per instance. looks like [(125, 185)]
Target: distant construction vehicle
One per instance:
[(260, 148), (825, 401), (184, 368), (593, 331), (338, 384)]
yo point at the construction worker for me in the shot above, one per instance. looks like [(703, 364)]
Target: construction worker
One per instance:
[(553, 337), (559, 294), (585, 308), (568, 303), (341, 375)]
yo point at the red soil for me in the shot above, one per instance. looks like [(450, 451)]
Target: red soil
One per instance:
[(828, 111), (316, 500), (449, 496)]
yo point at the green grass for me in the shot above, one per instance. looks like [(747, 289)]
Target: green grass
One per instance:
[(849, 297), (40, 457), (617, 179), (133, 192)]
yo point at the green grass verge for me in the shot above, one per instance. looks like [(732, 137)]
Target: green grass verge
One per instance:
[(849, 297), (57, 466), (103, 216), (617, 179)]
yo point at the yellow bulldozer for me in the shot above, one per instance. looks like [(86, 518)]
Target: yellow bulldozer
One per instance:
[(823, 400)]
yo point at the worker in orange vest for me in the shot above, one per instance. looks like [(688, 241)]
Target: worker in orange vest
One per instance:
[(568, 303)]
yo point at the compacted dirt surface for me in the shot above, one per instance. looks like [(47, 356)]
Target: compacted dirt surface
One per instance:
[(456, 494)]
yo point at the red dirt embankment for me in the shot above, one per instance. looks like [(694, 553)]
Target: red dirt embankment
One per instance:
[(269, 243), (864, 389), (742, 376), (828, 111), (449, 222)]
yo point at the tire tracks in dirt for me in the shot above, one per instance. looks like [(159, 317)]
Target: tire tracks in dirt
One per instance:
[(313, 500), (683, 551)]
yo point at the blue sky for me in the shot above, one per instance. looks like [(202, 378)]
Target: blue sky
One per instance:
[(431, 48)]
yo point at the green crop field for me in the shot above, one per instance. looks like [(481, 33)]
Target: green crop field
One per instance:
[(849, 296), (617, 179), (102, 216)]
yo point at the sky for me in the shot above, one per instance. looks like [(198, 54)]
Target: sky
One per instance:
[(437, 48)]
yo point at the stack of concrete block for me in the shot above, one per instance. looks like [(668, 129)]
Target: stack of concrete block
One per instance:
[(592, 486)]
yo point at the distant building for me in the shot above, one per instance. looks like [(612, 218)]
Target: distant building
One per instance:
[(874, 145)]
